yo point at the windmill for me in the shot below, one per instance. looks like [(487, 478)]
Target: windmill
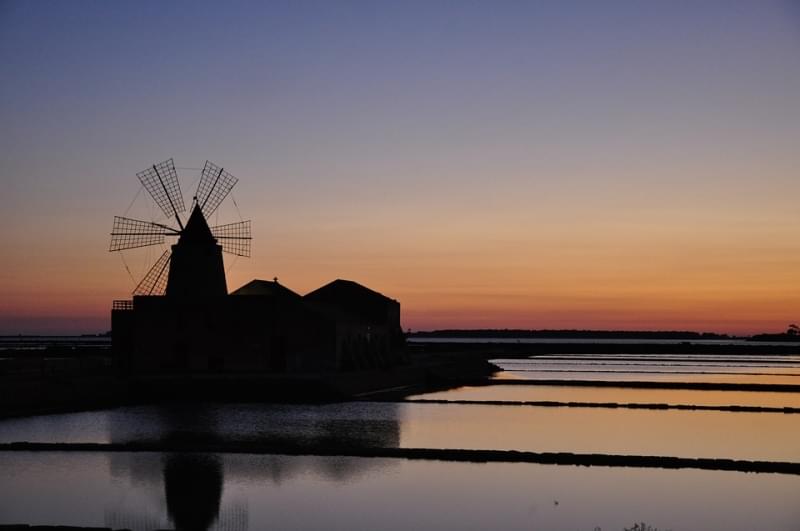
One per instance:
[(192, 266)]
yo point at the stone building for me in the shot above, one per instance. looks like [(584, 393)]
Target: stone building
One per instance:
[(262, 327)]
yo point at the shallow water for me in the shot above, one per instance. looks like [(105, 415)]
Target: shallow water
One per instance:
[(554, 393), (239, 492), (654, 368), (154, 490), (363, 424)]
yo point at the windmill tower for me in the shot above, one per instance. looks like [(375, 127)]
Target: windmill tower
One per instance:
[(193, 266)]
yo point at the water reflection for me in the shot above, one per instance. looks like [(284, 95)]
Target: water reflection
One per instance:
[(177, 491), (187, 488), (193, 489), (53, 488), (353, 424), (712, 434)]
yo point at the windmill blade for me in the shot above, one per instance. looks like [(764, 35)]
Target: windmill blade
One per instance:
[(132, 233), (234, 237), (215, 184), (161, 181), (155, 281)]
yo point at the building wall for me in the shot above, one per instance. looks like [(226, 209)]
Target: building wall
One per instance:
[(256, 333), (225, 334)]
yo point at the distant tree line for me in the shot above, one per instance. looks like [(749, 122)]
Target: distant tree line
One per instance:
[(512, 333), (792, 334)]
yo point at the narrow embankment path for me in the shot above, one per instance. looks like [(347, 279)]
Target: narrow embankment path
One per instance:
[(610, 405), (700, 386), (458, 455)]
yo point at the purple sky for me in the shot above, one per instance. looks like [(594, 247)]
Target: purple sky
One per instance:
[(537, 164)]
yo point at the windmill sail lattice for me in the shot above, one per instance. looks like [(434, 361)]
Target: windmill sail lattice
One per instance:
[(155, 281), (215, 184), (234, 237), (132, 233), (161, 182)]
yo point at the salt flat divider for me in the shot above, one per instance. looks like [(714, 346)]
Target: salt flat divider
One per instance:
[(612, 405), (726, 361), (434, 454), (703, 386)]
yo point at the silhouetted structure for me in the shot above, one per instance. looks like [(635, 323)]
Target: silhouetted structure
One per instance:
[(192, 267), (368, 332), (262, 327), (196, 268), (193, 488)]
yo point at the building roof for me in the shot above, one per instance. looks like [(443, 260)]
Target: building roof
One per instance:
[(197, 229), (351, 298), (341, 289), (265, 288)]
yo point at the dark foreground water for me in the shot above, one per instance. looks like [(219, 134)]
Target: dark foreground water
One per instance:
[(195, 490), (237, 492)]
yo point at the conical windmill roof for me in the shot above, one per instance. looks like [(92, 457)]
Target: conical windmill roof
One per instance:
[(196, 267), (197, 229)]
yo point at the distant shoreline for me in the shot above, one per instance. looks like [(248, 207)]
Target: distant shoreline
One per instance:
[(517, 333), (588, 342), (505, 334), (498, 333)]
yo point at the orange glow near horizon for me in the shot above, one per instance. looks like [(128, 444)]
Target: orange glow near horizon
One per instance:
[(486, 269), (619, 277), (536, 166)]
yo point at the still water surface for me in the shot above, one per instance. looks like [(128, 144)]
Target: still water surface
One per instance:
[(655, 368), (714, 434), (238, 492), (555, 393), (152, 490)]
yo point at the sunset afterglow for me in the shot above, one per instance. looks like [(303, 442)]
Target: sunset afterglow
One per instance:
[(545, 165)]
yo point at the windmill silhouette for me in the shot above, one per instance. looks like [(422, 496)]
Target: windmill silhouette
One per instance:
[(193, 266)]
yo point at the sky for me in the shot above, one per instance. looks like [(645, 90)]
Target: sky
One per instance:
[(590, 165)]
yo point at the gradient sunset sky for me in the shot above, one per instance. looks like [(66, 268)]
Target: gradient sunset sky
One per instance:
[(603, 165)]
